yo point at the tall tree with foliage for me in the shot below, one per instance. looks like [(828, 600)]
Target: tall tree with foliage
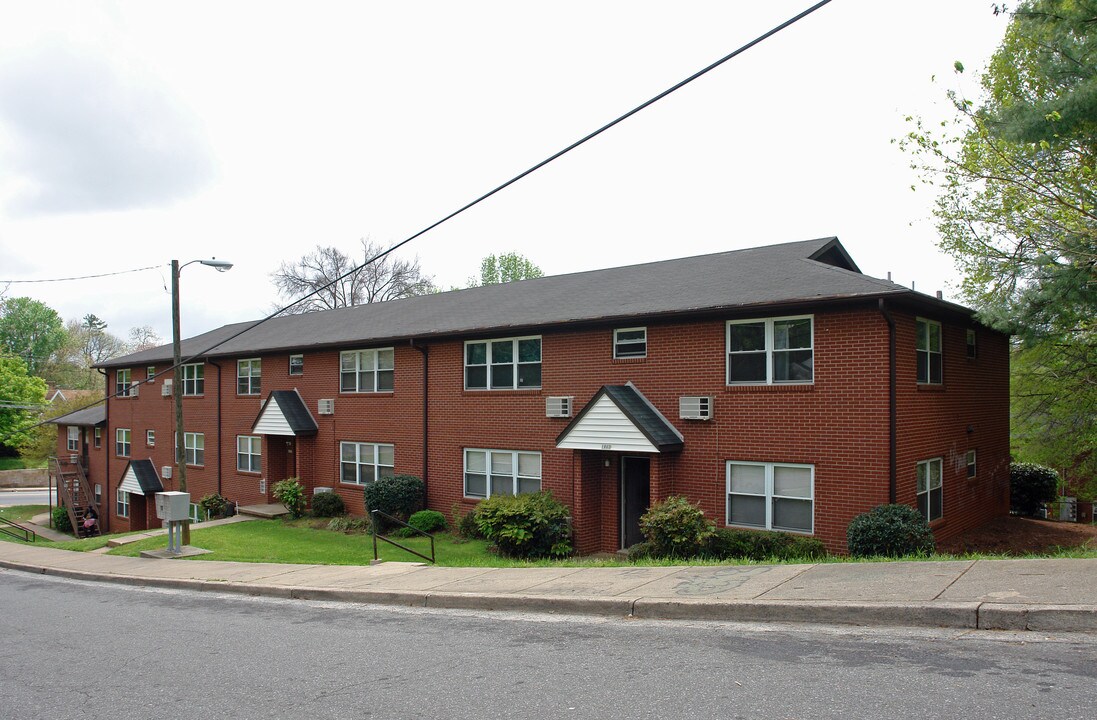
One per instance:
[(31, 331), (1016, 174), (338, 281), (87, 343), (22, 397), (504, 268)]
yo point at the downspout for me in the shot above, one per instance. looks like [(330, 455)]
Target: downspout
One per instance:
[(219, 445), (426, 367), (106, 454), (892, 493)]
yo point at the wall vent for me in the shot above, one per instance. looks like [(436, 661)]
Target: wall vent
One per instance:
[(558, 407), (165, 389), (326, 406), (165, 472), (693, 407)]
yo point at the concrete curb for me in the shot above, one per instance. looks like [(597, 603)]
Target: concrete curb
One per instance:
[(1040, 618)]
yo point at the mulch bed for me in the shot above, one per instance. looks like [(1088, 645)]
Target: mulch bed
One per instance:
[(1010, 535)]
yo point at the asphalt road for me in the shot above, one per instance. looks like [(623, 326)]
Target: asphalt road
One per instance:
[(26, 497), (75, 649)]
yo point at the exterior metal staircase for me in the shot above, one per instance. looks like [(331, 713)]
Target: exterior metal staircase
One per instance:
[(74, 493)]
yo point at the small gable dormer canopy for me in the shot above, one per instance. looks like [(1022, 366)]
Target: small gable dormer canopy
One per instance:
[(619, 418), (140, 478), (284, 413)]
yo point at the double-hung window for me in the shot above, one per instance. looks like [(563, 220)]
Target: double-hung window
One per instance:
[(296, 364), (73, 438), (969, 460), (248, 373), (249, 453), (630, 343), (122, 387), (930, 490), (122, 503), (122, 442), (194, 379), (770, 351), (366, 371), (150, 438), (506, 364), (773, 496), (929, 351), (97, 436), (501, 472), (150, 373), (362, 463), (194, 448)]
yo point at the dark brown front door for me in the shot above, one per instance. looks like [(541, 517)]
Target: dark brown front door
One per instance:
[(635, 497)]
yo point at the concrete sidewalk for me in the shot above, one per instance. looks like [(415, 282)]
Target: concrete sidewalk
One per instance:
[(1044, 595)]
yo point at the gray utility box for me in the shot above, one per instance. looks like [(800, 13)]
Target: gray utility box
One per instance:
[(173, 506)]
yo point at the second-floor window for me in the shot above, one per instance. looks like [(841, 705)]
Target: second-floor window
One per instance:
[(929, 351), (194, 446), (366, 371), (97, 434), (247, 376), (296, 364), (150, 438), (122, 383), (630, 343), (770, 351), (74, 438), (506, 364), (194, 379), (122, 442)]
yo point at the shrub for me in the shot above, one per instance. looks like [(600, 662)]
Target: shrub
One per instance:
[(428, 521), (726, 543), (214, 506), (290, 493), (328, 504), (675, 528), (399, 496), (465, 525), (890, 531), (1030, 486), (61, 522), (531, 525), (348, 524), (639, 551)]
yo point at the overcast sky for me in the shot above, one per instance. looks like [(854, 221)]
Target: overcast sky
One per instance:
[(132, 133)]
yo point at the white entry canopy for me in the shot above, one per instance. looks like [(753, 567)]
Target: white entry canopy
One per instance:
[(619, 418)]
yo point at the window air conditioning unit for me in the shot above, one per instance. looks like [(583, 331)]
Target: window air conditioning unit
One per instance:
[(558, 407), (165, 472), (326, 406), (165, 389), (695, 407), (134, 387)]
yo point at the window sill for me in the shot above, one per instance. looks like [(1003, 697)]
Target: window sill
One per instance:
[(252, 473), (366, 393), (805, 533), (626, 360), (931, 387), (776, 387), (502, 391)]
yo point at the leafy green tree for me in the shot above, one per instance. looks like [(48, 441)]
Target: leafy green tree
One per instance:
[(87, 343), (30, 330), (504, 268), (21, 398), (41, 441), (1017, 210)]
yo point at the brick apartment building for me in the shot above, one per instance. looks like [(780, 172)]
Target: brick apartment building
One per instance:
[(777, 387)]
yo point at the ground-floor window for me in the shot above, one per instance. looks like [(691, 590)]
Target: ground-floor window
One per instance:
[(249, 451), (196, 514), (122, 502), (362, 463), (930, 489), (501, 472), (773, 496)]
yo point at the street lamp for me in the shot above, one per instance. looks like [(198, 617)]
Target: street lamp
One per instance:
[(177, 385)]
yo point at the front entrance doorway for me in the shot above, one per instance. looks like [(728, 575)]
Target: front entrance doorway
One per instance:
[(635, 497)]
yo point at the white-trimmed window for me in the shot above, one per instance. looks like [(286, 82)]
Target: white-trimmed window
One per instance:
[(194, 379), (196, 514), (929, 351), (630, 343), (248, 373), (366, 371), (73, 441), (249, 452), (501, 472), (150, 373), (362, 463), (772, 496), (98, 491), (150, 438), (296, 364), (930, 490), (122, 386), (770, 351), (194, 448), (122, 442), (97, 434), (505, 364), (969, 460), (122, 503), (972, 348)]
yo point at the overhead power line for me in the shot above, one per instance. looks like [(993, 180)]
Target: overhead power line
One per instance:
[(647, 103), (83, 277)]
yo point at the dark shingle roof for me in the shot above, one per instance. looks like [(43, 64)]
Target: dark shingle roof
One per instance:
[(798, 272), (88, 416), (293, 409), (145, 472), (640, 413)]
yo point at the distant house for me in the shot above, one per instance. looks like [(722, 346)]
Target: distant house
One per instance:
[(778, 387)]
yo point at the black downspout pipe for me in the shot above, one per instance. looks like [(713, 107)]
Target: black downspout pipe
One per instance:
[(426, 367), (892, 414), (218, 426), (104, 526)]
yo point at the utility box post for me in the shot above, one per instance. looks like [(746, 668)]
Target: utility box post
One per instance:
[(174, 508)]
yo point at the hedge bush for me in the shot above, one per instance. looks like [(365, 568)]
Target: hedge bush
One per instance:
[(399, 496), (890, 531), (214, 506), (428, 521), (532, 525), (675, 528), (328, 504), (291, 493), (349, 524), (465, 526), (729, 543), (1030, 486), (61, 522)]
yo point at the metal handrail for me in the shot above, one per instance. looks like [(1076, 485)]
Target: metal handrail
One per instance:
[(373, 528), (28, 534)]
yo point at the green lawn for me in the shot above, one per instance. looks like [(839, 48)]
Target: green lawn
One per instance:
[(14, 463), (22, 513)]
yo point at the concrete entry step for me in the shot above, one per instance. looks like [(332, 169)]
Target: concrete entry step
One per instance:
[(270, 510)]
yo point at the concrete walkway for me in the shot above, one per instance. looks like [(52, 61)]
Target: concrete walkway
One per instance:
[(1043, 595)]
